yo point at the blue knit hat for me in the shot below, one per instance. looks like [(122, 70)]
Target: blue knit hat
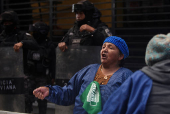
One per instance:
[(120, 43), (158, 49)]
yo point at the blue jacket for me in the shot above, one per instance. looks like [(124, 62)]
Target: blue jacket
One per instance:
[(147, 91), (70, 94), (131, 97)]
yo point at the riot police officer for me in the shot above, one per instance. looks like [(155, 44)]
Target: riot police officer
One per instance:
[(40, 65), (11, 34), (88, 29)]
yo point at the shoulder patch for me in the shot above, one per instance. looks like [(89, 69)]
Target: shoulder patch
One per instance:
[(71, 33), (108, 32), (28, 34)]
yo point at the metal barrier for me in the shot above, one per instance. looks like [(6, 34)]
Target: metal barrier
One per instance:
[(137, 21)]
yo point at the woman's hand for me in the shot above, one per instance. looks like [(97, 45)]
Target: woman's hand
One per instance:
[(41, 92)]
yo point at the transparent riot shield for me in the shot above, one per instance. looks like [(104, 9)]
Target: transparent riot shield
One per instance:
[(73, 60), (70, 62), (11, 80)]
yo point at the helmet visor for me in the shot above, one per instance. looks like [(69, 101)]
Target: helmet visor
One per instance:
[(77, 8)]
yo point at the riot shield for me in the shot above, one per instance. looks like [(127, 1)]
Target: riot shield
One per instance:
[(73, 60), (11, 80)]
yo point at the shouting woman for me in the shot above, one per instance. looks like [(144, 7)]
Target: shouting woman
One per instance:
[(90, 87)]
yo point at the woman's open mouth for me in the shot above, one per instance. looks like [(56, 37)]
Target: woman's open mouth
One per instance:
[(104, 56)]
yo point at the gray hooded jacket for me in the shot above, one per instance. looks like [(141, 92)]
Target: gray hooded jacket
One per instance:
[(159, 99)]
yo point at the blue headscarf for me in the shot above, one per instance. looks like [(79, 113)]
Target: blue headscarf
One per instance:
[(120, 43)]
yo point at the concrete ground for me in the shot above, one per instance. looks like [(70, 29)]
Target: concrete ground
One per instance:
[(51, 109), (54, 109)]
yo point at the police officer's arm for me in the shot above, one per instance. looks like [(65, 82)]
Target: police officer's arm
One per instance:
[(17, 46), (86, 27), (26, 41), (98, 34), (62, 46), (29, 42), (65, 41)]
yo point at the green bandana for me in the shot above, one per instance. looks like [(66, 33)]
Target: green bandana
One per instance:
[(91, 98)]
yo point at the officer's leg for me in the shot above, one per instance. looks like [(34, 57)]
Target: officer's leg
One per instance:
[(42, 105), (29, 97)]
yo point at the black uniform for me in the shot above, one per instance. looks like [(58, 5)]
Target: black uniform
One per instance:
[(41, 64), (9, 39), (92, 18), (11, 34)]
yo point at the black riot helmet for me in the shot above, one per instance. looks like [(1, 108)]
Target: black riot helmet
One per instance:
[(86, 7), (9, 16), (39, 31)]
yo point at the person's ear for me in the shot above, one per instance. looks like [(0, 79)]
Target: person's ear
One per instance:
[(121, 56)]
